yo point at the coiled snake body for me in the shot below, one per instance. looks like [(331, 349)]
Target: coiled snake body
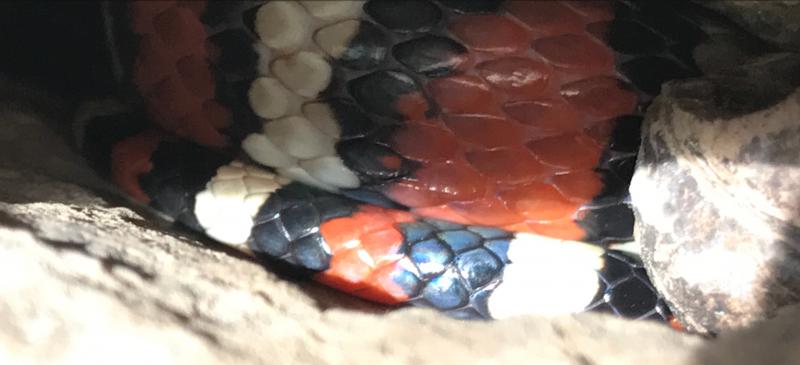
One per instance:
[(471, 156)]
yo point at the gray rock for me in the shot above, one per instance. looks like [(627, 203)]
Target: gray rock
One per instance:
[(775, 21), (776, 341), (717, 194)]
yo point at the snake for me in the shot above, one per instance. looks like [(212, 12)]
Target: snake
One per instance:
[(470, 156)]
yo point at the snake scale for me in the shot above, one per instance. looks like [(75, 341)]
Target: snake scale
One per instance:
[(472, 156)]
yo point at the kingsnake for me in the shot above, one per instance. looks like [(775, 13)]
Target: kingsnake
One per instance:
[(467, 155)]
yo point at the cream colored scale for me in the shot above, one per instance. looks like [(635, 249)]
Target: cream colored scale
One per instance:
[(298, 41)]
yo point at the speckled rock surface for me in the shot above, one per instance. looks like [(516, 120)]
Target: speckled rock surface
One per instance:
[(775, 21), (717, 194)]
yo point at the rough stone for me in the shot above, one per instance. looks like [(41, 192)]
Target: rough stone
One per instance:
[(717, 194), (775, 21)]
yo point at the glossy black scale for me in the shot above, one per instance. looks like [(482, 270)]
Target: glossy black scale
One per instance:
[(368, 48), (626, 290), (309, 252), (610, 217), (379, 91), (461, 240), (446, 291), (405, 16), (353, 122), (619, 158), (287, 225), (477, 266), (459, 265), (431, 257), (432, 56), (623, 168), (299, 220), (368, 159), (626, 136), (180, 170), (271, 238), (607, 224)]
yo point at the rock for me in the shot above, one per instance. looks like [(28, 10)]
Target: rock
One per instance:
[(771, 342), (775, 21), (717, 194)]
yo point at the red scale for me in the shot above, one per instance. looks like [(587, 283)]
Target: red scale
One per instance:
[(524, 158)]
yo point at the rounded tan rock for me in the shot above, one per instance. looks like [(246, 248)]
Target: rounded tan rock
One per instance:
[(717, 194)]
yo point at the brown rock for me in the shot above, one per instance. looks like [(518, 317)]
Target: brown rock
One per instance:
[(717, 194)]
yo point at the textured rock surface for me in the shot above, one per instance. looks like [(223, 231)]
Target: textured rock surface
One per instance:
[(717, 194), (775, 21), (774, 342)]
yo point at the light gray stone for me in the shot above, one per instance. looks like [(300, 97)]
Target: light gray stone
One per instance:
[(776, 341), (717, 194)]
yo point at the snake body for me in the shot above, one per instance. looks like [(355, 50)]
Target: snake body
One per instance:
[(470, 156)]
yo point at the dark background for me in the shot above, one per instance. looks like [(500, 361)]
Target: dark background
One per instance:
[(57, 45)]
